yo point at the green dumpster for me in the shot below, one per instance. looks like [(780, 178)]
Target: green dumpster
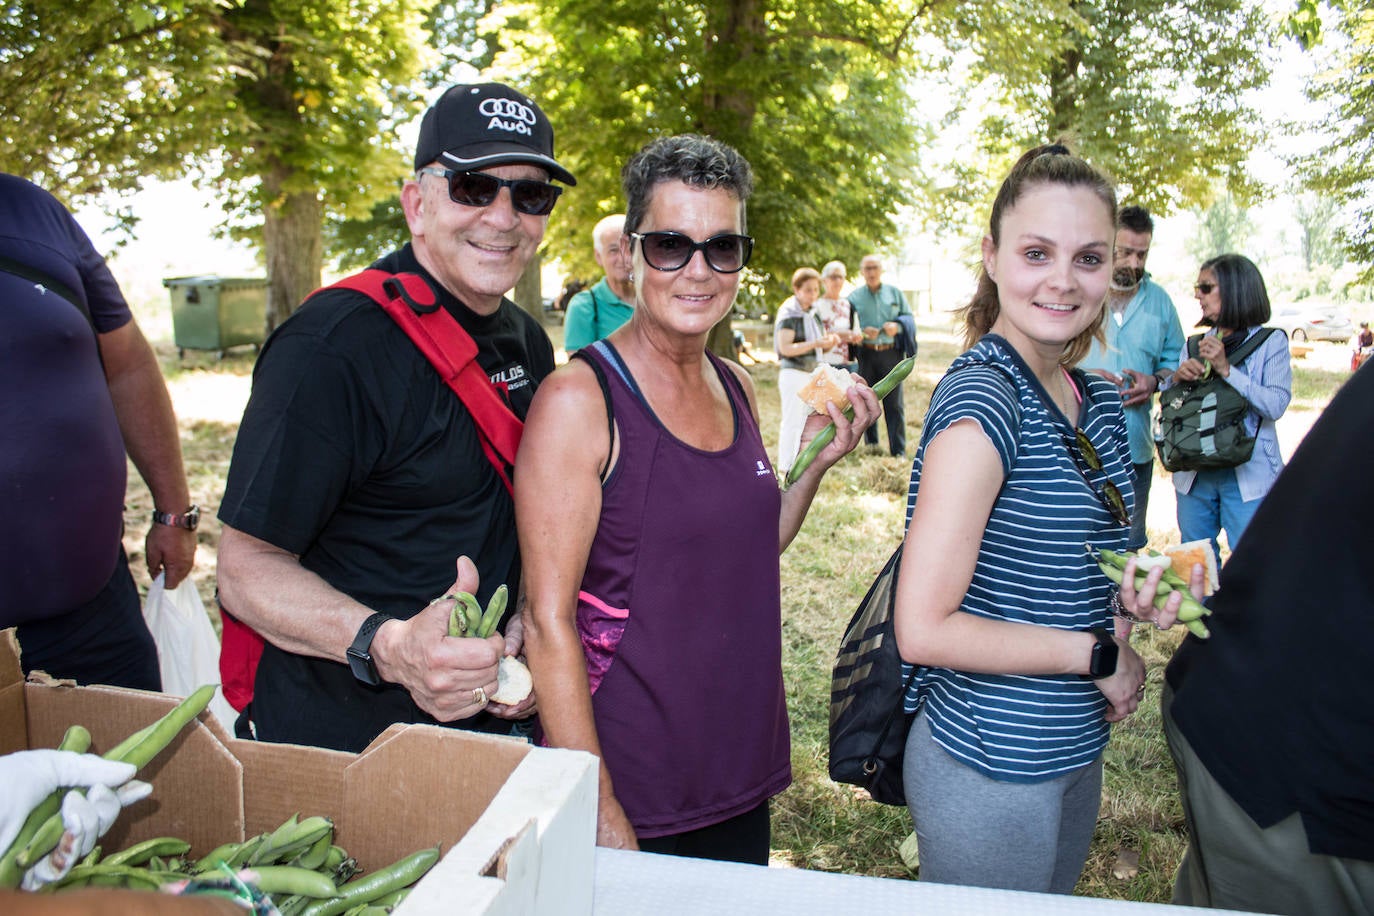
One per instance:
[(215, 313)]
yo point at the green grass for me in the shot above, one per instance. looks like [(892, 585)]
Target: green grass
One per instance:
[(854, 524)]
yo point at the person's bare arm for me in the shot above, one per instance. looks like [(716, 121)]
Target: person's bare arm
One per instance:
[(294, 609), (149, 427), (563, 450), (787, 344)]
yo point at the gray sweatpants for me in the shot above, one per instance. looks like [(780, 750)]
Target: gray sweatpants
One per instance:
[(972, 830)]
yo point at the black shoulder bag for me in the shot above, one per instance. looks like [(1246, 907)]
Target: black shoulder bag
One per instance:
[(868, 727)]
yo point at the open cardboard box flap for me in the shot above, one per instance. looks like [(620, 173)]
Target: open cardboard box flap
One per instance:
[(517, 822)]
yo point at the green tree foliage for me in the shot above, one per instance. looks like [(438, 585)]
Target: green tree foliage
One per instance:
[(1343, 168), (95, 99), (1222, 228), (287, 106), (812, 93), (1319, 222), (1152, 91)]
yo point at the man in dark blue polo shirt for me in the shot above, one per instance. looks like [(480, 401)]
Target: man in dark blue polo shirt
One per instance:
[(79, 385)]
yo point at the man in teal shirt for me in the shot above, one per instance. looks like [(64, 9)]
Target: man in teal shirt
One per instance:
[(1144, 338), (877, 306), (594, 313)]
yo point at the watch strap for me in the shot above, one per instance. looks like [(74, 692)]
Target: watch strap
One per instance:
[(188, 519), (360, 652)]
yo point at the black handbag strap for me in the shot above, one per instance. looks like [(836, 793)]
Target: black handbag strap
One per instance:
[(1237, 356), (898, 711), (27, 272)]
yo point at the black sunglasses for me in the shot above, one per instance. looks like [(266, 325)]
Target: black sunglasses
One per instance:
[(1085, 458), (725, 254), (1205, 288), (479, 189)]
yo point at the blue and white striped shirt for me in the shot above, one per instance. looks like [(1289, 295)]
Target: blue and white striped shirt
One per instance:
[(1032, 566)]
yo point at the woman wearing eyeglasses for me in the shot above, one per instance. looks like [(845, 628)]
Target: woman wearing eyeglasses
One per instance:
[(799, 341), (1023, 462), (650, 526), (1235, 304)]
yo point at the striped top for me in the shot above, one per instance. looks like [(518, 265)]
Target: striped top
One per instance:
[(1032, 566)]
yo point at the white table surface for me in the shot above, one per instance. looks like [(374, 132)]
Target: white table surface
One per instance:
[(642, 883)]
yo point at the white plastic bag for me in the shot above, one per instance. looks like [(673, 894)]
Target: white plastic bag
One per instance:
[(187, 648)]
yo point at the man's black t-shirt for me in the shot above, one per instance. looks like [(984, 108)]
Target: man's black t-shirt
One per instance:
[(356, 456), (1273, 703)]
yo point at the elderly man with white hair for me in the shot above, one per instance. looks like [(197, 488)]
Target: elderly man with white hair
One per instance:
[(596, 312)]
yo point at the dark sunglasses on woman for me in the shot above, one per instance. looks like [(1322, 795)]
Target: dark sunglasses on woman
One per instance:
[(725, 254), (479, 189)]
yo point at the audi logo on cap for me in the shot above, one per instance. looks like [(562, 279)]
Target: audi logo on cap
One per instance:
[(507, 108)]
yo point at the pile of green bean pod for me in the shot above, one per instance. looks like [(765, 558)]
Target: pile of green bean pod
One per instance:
[(1190, 610), (297, 865)]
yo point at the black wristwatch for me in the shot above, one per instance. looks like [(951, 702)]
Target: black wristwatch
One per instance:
[(360, 653), (188, 519), (1105, 651)]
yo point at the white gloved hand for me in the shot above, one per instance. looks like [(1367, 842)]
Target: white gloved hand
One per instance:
[(85, 819), (29, 777)]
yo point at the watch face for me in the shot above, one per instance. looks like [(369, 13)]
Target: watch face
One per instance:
[(363, 668), (1104, 657)]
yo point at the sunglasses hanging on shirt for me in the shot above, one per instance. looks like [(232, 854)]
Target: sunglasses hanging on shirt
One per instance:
[(1086, 459)]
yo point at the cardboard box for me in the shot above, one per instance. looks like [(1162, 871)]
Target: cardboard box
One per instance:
[(517, 823)]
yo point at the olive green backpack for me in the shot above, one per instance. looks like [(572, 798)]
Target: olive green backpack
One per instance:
[(1201, 424)]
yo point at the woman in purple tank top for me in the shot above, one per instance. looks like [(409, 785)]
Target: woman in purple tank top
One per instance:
[(650, 527)]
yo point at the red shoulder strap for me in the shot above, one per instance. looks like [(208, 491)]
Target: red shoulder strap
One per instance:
[(411, 303)]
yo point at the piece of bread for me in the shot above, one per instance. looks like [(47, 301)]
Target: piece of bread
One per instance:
[(1184, 556), (827, 383)]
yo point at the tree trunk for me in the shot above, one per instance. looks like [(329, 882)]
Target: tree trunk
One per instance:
[(529, 289), (721, 340), (293, 245), (736, 32), (1065, 94)]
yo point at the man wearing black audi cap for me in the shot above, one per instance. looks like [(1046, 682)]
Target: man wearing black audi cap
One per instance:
[(359, 475)]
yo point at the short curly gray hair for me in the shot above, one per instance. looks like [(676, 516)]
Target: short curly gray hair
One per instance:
[(690, 158)]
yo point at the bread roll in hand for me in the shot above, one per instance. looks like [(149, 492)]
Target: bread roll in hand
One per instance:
[(827, 383)]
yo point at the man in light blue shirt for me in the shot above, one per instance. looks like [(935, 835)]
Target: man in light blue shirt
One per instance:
[(877, 305), (594, 313), (1144, 338)]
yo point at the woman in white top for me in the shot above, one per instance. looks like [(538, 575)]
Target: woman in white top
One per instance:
[(836, 315), (799, 343)]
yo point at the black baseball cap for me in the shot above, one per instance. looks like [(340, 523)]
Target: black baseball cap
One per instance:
[(480, 125)]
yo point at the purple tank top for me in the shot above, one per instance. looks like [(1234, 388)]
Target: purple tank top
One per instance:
[(680, 618)]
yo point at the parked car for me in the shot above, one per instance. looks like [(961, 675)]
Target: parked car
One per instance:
[(1312, 323)]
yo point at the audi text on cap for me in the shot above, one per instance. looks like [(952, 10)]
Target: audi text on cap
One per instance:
[(482, 125)]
